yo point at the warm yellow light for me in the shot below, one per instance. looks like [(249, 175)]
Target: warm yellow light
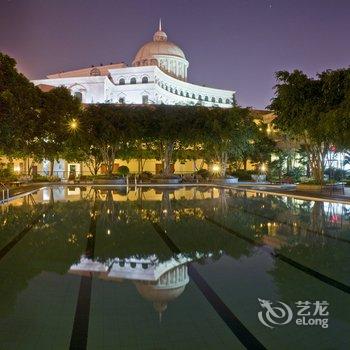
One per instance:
[(263, 168), (216, 168), (73, 124)]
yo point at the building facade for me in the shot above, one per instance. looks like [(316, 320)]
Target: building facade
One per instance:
[(157, 75)]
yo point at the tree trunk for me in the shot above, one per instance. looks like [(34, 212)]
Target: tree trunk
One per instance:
[(245, 163), (52, 163), (168, 152), (223, 164), (317, 160)]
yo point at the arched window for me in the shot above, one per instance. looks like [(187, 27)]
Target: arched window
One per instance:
[(193, 96), (133, 80), (78, 95), (213, 99), (144, 80), (121, 81), (166, 87), (144, 99), (171, 89), (206, 98), (181, 93), (176, 91), (220, 100), (228, 101), (187, 94), (200, 97), (121, 100)]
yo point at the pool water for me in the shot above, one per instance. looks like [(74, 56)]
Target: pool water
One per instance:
[(163, 268)]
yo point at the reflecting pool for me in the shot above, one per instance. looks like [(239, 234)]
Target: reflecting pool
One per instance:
[(173, 268)]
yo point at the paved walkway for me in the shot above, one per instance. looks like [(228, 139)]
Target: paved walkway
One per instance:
[(293, 192)]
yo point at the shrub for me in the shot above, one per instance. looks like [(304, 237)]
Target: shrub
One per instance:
[(162, 176), (145, 175), (243, 174), (295, 174), (7, 174), (336, 173), (123, 170), (204, 173), (41, 178)]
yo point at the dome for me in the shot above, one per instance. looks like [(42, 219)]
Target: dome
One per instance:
[(164, 54), (152, 48)]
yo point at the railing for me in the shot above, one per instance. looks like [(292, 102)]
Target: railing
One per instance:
[(5, 192)]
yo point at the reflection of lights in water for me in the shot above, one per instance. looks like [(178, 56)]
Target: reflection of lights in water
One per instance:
[(72, 239)]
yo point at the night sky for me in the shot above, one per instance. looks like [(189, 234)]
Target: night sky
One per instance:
[(230, 44)]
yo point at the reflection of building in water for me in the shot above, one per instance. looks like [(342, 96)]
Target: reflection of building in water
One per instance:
[(158, 282)]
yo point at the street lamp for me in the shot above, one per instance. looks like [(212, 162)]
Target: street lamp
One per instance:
[(263, 168), (216, 168), (73, 124)]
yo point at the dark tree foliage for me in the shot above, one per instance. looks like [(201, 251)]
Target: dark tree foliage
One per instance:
[(314, 111)]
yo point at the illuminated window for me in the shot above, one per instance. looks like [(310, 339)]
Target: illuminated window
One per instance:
[(133, 80), (144, 80), (121, 81)]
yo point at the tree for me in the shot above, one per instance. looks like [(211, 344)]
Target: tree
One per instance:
[(108, 129), (19, 111), (227, 135), (59, 114), (259, 147), (313, 111)]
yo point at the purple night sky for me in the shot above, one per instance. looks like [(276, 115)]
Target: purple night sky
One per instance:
[(230, 44)]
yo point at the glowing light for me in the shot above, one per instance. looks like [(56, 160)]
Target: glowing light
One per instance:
[(73, 124), (263, 168), (108, 232), (216, 168)]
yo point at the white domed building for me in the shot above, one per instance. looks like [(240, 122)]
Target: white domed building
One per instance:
[(158, 75)]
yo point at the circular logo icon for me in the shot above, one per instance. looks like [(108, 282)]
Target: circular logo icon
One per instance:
[(274, 314)]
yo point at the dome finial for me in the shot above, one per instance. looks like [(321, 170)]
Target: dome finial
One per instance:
[(159, 35)]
